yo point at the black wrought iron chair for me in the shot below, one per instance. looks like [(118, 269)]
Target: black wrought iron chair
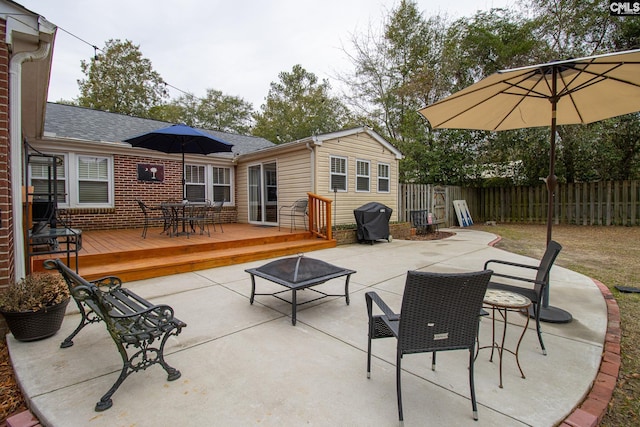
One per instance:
[(216, 214), (537, 287), (439, 312), (300, 208), (196, 215), (150, 217)]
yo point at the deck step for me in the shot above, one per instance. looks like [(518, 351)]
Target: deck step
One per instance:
[(142, 265)]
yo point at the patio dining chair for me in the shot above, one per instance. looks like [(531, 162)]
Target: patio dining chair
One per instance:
[(216, 214), (534, 288), (300, 208), (439, 312), (151, 217), (195, 215)]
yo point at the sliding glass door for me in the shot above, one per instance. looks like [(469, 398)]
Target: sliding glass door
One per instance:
[(263, 194)]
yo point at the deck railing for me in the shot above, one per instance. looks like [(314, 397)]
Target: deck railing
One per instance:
[(320, 216)]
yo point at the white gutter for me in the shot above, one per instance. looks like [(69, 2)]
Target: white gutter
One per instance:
[(312, 160), (15, 132)]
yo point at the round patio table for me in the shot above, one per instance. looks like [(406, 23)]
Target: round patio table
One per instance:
[(503, 302)]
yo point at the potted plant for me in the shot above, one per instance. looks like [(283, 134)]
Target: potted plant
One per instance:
[(35, 306)]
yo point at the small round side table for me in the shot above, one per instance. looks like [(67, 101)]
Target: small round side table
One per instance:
[(503, 302)]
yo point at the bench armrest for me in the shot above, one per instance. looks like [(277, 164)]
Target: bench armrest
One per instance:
[(111, 282), (82, 292), (159, 311)]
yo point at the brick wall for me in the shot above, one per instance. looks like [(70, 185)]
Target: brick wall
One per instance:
[(400, 230), (6, 218), (126, 213), (6, 221)]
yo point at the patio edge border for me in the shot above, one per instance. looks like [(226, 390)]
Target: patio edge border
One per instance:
[(591, 410)]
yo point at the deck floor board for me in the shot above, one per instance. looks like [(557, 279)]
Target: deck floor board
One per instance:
[(126, 254)]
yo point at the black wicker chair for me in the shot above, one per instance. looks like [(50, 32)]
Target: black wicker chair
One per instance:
[(540, 283), (439, 312)]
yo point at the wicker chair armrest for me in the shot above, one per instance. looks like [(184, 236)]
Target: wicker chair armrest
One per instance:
[(523, 279), (514, 264), (510, 263), (372, 296)]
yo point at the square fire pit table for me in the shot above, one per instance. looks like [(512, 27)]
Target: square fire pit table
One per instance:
[(297, 273)]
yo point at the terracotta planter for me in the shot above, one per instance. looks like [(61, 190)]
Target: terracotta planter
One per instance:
[(36, 325)]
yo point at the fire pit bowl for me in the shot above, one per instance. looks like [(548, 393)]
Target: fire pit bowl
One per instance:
[(297, 273)]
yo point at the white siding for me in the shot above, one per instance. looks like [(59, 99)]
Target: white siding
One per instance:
[(295, 170), (294, 179), (356, 147)]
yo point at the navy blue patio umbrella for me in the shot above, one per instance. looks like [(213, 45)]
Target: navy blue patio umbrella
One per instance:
[(180, 138)]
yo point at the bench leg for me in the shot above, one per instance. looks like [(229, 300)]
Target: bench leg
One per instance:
[(87, 318), (172, 373), (140, 360)]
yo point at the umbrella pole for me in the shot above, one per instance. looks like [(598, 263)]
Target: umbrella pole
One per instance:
[(184, 190), (551, 180), (548, 313)]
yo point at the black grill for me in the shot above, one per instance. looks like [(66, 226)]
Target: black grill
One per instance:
[(372, 220)]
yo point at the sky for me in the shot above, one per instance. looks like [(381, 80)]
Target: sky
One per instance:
[(238, 47)]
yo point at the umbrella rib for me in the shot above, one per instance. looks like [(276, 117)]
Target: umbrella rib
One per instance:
[(525, 83), (528, 92), (595, 79), (501, 82)]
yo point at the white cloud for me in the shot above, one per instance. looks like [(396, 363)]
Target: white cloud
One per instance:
[(237, 47)]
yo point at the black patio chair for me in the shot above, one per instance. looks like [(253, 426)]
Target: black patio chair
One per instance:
[(196, 215), (534, 293), (439, 312), (151, 218), (300, 208), (216, 214)]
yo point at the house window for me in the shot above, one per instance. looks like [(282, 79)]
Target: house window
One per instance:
[(93, 180), (194, 176), (338, 178), (362, 175), (84, 181), (40, 174), (383, 178), (221, 184)]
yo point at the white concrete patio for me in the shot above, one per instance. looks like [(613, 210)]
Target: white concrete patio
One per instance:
[(246, 364)]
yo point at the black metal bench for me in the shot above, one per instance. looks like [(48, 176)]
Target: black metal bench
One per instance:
[(133, 322), (423, 220)]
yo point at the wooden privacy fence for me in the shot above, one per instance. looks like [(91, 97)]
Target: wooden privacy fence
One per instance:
[(590, 203)]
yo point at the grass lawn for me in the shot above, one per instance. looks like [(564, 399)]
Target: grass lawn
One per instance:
[(612, 256)]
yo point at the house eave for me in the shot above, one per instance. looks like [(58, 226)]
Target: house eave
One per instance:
[(77, 145), (317, 140)]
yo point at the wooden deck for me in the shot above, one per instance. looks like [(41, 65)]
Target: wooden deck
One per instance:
[(124, 253)]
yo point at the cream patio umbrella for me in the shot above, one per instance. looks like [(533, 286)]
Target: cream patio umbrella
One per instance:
[(573, 91)]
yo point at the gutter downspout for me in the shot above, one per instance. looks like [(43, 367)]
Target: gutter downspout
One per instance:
[(312, 166), (15, 132)]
